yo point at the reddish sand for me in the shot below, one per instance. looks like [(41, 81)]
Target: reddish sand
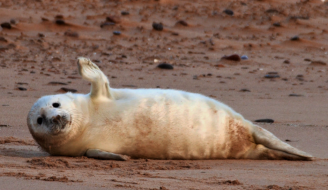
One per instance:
[(47, 36)]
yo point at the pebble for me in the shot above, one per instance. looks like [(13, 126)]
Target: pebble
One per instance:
[(276, 24), (22, 89), (271, 75), (41, 35), (113, 19), (319, 63), (233, 57), (6, 25), (165, 66), (158, 26), (307, 59), (68, 90), (286, 61), (56, 83), (244, 90), (4, 125), (244, 57), (71, 34), (117, 33), (264, 121), (228, 12), (60, 22), (295, 95), (107, 24), (295, 38), (13, 21), (125, 13), (182, 22)]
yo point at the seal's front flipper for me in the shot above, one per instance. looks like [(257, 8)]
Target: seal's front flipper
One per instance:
[(99, 82), (100, 154)]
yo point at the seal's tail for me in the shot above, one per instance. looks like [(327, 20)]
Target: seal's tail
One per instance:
[(270, 147)]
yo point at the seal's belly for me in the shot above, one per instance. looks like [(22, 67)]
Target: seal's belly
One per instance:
[(171, 128)]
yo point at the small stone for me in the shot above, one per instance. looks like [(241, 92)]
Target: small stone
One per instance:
[(125, 13), (6, 25), (54, 83), (272, 74), (244, 57), (41, 35), (295, 38), (233, 57), (107, 24), (60, 22), (117, 33), (244, 90), (264, 121), (307, 59), (13, 21), (165, 66), (68, 90), (228, 12), (295, 95), (195, 77), (182, 22), (276, 24), (286, 61), (71, 34), (318, 63), (158, 26), (22, 89), (113, 19)]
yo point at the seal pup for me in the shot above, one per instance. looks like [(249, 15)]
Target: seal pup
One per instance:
[(116, 124)]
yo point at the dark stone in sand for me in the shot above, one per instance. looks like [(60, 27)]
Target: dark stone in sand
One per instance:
[(276, 24), (228, 12), (71, 34), (233, 57), (244, 90), (165, 66), (22, 89), (6, 25), (295, 95), (158, 26), (117, 33), (60, 22), (57, 83), (182, 22), (125, 13), (107, 24), (113, 19), (271, 75), (68, 90), (295, 38), (264, 121)]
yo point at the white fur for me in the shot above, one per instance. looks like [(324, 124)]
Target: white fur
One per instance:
[(154, 123)]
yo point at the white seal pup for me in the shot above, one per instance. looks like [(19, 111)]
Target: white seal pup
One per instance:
[(112, 124)]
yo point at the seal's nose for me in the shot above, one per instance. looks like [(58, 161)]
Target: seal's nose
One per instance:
[(56, 119)]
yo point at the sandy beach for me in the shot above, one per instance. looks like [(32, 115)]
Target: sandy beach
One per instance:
[(278, 70)]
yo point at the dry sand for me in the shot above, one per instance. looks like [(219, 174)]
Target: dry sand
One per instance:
[(287, 37)]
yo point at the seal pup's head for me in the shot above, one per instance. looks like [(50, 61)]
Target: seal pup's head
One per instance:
[(54, 120)]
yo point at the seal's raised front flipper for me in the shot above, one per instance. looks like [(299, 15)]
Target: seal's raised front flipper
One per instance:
[(99, 82), (100, 154), (274, 148)]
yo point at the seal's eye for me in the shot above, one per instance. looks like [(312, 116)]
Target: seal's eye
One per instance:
[(39, 120), (56, 105)]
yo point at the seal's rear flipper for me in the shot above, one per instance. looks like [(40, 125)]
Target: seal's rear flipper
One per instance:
[(99, 82), (282, 149), (100, 154)]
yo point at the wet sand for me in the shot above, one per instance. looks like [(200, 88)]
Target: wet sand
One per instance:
[(284, 79)]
